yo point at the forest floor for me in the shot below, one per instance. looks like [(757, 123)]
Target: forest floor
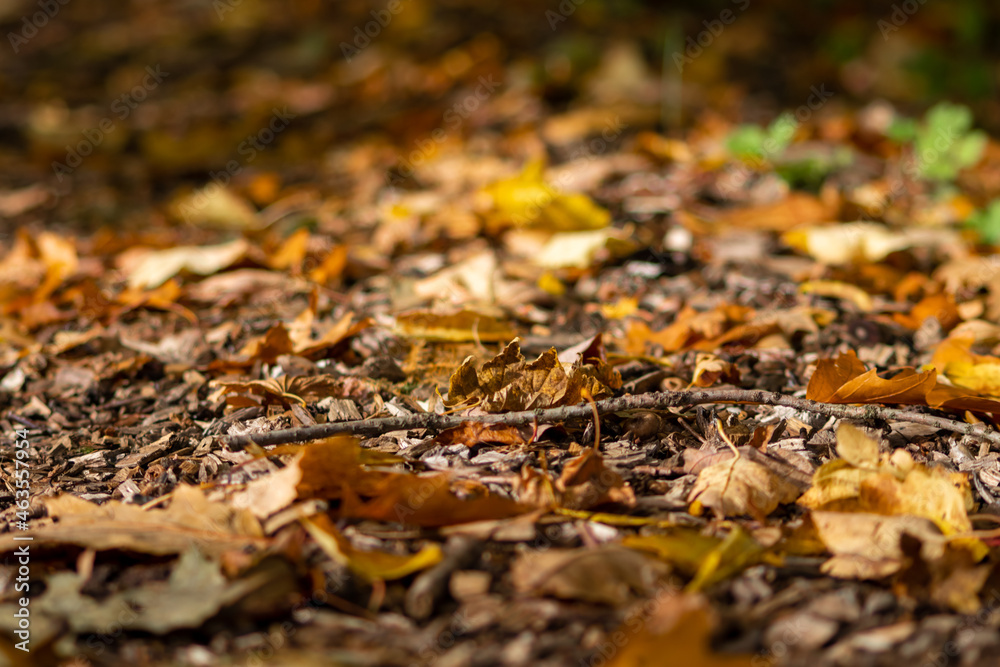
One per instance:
[(603, 394)]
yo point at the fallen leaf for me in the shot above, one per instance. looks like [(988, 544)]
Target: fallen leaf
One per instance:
[(465, 325), (152, 268), (216, 207), (335, 469), (190, 520), (845, 380), (707, 559), (740, 486), (586, 482), (526, 200), (709, 369), (371, 565), (608, 574), (679, 626), (862, 480), (508, 382), (856, 242), (955, 359)]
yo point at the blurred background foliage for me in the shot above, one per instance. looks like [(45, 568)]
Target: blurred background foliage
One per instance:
[(230, 63)]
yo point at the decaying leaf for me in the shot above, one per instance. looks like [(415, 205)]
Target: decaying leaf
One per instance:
[(335, 469), (508, 382), (609, 574), (739, 486), (190, 520)]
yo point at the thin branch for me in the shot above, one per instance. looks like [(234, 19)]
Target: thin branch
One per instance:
[(650, 401)]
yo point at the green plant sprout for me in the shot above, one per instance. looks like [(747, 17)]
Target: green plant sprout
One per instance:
[(943, 144), (754, 143), (804, 168), (986, 223)]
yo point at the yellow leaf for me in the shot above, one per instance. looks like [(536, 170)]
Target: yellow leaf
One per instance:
[(839, 290), (526, 200), (889, 485), (372, 565), (958, 363), (855, 447), (707, 559)]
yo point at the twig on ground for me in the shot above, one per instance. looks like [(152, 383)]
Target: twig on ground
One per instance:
[(651, 401)]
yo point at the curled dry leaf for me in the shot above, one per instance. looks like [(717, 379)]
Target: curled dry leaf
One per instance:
[(508, 382), (709, 369), (863, 480), (845, 380)]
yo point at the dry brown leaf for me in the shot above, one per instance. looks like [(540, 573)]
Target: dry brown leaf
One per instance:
[(475, 433), (867, 546), (586, 482), (508, 382), (335, 469), (739, 486), (285, 390), (609, 574), (709, 369), (845, 380), (190, 520)]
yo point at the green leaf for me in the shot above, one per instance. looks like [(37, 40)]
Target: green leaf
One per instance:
[(986, 223), (746, 141)]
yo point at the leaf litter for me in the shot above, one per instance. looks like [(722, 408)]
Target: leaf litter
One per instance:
[(334, 278)]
